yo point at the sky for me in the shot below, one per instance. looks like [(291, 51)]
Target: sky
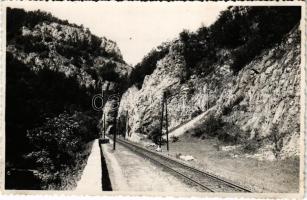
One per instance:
[(136, 27)]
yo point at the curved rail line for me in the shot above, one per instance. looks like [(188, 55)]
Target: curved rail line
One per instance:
[(202, 180)]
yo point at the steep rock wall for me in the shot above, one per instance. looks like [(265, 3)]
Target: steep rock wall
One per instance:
[(53, 69), (262, 100)]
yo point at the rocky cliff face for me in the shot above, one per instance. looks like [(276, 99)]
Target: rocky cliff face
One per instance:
[(54, 68), (68, 49), (259, 104), (43, 42), (264, 99)]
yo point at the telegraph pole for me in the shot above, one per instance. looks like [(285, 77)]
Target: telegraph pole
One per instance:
[(166, 118), (208, 99), (115, 129), (207, 91), (114, 135), (104, 126), (161, 127), (104, 97), (115, 122), (127, 125)]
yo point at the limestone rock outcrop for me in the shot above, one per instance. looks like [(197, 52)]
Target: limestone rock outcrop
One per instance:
[(263, 96)]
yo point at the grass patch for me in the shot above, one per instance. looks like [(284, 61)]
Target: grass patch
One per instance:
[(225, 132)]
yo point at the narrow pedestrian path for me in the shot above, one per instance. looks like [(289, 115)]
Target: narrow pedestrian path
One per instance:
[(90, 181)]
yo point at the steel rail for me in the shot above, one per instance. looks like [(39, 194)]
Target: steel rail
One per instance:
[(165, 166), (170, 160)]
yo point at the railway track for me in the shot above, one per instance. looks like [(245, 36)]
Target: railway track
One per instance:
[(202, 180)]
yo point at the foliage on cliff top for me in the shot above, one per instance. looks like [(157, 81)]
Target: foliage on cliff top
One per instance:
[(69, 46), (148, 64), (52, 74), (243, 31), (18, 18)]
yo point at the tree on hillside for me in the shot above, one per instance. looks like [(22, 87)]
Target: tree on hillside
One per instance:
[(148, 64)]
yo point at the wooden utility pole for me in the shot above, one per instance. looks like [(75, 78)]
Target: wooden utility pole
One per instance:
[(127, 124), (161, 127), (208, 99), (104, 115), (166, 118), (207, 91), (164, 102), (104, 126), (114, 135), (115, 126)]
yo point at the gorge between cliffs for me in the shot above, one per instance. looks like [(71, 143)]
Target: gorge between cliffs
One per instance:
[(232, 90)]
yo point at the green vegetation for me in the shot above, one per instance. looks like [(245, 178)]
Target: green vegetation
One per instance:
[(58, 147), (47, 123), (82, 52), (148, 64), (17, 18), (244, 31), (49, 119), (253, 144), (215, 127), (277, 139)]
